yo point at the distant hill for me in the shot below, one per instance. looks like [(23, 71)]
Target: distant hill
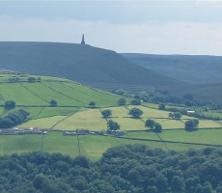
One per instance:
[(189, 68), (85, 64), (202, 73)]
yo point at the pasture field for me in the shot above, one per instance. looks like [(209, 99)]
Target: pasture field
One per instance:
[(45, 123), (65, 92), (214, 114), (207, 136), (88, 119), (90, 145), (74, 113), (92, 119), (47, 112)]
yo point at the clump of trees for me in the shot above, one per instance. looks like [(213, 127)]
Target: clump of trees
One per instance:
[(121, 102), (153, 125), (53, 103), (9, 105), (13, 119), (175, 115), (191, 125), (131, 168), (150, 123), (106, 113), (92, 104), (135, 112), (112, 125)]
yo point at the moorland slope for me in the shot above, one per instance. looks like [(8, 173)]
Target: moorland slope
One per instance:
[(85, 64)]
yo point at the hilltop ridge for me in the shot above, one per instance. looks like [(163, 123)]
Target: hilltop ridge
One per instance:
[(85, 64)]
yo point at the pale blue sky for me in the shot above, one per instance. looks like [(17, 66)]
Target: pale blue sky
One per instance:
[(167, 27)]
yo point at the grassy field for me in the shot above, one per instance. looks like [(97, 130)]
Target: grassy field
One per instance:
[(91, 119), (207, 136), (90, 146), (65, 92), (73, 113)]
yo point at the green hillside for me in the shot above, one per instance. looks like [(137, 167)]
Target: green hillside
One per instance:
[(85, 64), (34, 93), (35, 96)]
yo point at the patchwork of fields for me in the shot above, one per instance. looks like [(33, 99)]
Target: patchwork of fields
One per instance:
[(73, 112), (94, 146), (66, 93), (92, 119)]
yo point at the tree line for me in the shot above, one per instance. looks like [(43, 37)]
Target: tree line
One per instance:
[(125, 169), (13, 119)]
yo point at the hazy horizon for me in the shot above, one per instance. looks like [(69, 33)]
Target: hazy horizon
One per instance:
[(153, 27)]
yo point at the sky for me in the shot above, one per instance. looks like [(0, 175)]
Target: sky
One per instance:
[(159, 27)]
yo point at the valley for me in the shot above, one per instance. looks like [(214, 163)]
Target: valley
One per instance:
[(110, 96)]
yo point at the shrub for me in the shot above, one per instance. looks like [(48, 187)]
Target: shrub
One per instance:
[(150, 123), (191, 125), (157, 128), (153, 125), (112, 125), (136, 112), (9, 105), (92, 104), (106, 113), (53, 103)]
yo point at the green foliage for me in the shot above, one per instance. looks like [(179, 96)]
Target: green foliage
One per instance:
[(112, 125), (191, 125), (106, 113), (53, 103), (135, 112), (153, 125), (92, 104), (131, 168), (150, 123), (8, 105), (157, 128), (13, 119)]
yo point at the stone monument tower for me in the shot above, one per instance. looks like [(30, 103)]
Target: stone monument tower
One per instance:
[(83, 41)]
